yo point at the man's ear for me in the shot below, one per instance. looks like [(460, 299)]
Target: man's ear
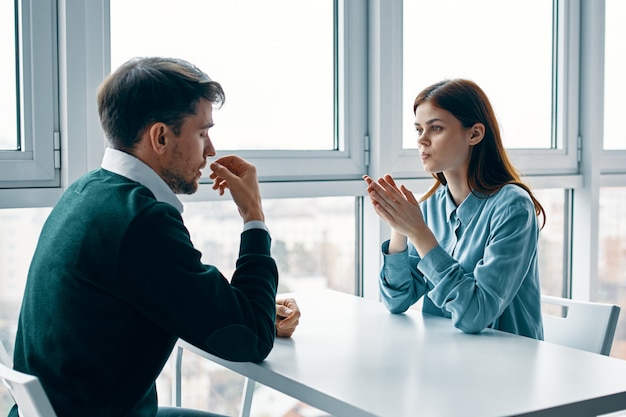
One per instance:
[(158, 136), (477, 133)]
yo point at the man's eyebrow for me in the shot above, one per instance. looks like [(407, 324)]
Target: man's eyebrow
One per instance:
[(429, 122)]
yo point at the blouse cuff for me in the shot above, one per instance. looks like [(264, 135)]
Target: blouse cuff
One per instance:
[(395, 265)]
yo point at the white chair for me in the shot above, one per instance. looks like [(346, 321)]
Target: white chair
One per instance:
[(25, 389), (583, 325)]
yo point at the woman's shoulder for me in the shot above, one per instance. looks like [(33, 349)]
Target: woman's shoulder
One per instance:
[(512, 197), (512, 192)]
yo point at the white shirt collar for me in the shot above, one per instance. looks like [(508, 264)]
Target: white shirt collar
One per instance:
[(134, 169)]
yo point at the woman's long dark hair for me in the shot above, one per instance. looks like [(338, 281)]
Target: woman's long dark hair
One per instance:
[(489, 166)]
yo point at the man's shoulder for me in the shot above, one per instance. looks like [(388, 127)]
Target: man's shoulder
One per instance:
[(107, 189), (101, 177), (103, 181)]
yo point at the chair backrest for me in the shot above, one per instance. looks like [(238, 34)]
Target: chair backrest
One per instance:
[(584, 325), (25, 389)]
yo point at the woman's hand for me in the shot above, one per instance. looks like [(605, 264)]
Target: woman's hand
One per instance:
[(400, 209), (395, 205)]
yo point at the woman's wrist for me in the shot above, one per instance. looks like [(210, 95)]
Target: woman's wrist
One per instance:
[(397, 243), (424, 241)]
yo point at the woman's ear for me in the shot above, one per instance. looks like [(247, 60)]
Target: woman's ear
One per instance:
[(477, 133), (157, 133)]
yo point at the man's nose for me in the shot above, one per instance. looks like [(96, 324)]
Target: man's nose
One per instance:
[(209, 149)]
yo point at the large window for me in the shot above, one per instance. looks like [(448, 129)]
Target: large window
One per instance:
[(519, 52), (278, 82), (29, 141), (611, 278), (462, 39), (320, 92), (313, 239), (526, 77), (313, 242), (19, 229), (284, 89)]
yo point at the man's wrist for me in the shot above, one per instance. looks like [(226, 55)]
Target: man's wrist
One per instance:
[(255, 224), (253, 214)]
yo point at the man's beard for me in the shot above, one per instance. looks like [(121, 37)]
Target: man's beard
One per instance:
[(178, 184)]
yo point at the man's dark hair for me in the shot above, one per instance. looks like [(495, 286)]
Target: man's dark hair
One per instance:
[(144, 91)]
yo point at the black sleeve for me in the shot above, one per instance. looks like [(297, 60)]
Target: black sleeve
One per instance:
[(164, 277)]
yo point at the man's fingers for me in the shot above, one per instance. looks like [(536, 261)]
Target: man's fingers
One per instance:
[(284, 311), (220, 170)]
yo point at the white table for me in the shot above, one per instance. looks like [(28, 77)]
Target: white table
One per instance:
[(350, 357)]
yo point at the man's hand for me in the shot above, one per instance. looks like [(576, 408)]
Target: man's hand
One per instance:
[(287, 317), (239, 176)]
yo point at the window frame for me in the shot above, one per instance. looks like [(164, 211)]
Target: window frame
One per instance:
[(556, 161), (349, 161), (371, 120), (613, 162), (37, 164)]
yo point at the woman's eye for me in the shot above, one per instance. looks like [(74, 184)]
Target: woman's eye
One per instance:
[(436, 128), (419, 131)]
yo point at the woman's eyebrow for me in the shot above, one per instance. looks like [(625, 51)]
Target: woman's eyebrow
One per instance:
[(429, 122)]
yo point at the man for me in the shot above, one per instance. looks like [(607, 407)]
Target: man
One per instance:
[(115, 279)]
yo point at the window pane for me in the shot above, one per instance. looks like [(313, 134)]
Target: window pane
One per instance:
[(504, 46), (552, 241), (277, 72), (612, 259), (8, 82), (614, 70), (313, 242), (19, 231), (313, 239)]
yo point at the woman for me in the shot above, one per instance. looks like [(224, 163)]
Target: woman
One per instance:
[(470, 244)]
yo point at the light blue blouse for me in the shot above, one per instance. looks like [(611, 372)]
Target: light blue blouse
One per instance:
[(484, 271)]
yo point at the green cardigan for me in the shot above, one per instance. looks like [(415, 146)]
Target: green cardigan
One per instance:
[(115, 281)]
